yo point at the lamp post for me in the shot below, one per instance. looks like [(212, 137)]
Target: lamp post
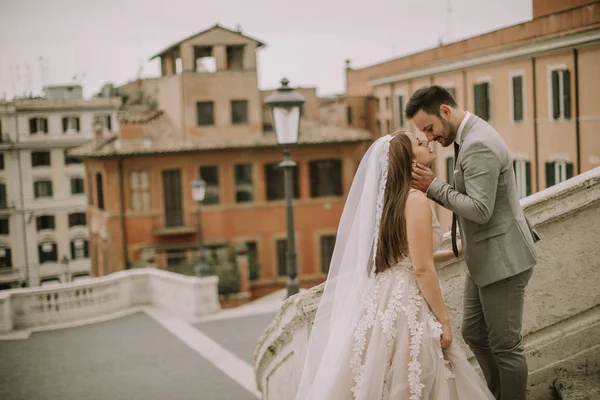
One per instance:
[(198, 193), (65, 262), (286, 105)]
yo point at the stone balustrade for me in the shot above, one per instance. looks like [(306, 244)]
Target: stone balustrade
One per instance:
[(185, 296), (562, 304)]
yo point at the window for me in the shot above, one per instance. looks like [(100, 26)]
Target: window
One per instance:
[(275, 183), (77, 219), (378, 104), (387, 126), (557, 172), (44, 222), (482, 100), (107, 121), (561, 93), (210, 174), (71, 160), (99, 191), (349, 115), (239, 112), (387, 102), (5, 258), (1, 161), (47, 252), (253, 263), (40, 159), (140, 190), (450, 170), (38, 125), (176, 259), (79, 249), (378, 127), (42, 188), (244, 189), (4, 228), (172, 197), (523, 177), (281, 257), (400, 111), (327, 245), (77, 186), (3, 204), (518, 98), (325, 178), (235, 58), (205, 62), (206, 113), (70, 124)]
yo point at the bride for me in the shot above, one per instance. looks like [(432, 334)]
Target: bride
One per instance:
[(382, 330)]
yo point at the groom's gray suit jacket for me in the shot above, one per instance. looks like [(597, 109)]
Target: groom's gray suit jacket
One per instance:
[(496, 236)]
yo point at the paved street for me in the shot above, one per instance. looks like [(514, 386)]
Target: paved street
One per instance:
[(136, 357)]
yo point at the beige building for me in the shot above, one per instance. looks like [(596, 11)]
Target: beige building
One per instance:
[(43, 229), (537, 83)]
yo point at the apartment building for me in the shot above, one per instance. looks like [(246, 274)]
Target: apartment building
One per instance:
[(43, 223)]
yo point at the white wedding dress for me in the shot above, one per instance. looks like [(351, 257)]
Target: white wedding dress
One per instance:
[(395, 350), (374, 335)]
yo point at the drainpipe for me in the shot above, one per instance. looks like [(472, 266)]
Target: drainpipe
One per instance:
[(123, 219), (577, 127), (535, 129)]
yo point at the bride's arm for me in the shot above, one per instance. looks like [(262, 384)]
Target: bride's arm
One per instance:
[(420, 247), (441, 256)]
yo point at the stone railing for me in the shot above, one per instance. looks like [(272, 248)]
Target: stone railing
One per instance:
[(31, 308), (562, 304)]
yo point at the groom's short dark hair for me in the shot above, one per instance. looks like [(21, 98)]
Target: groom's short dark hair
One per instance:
[(429, 99)]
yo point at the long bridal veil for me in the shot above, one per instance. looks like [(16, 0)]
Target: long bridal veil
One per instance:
[(351, 264)]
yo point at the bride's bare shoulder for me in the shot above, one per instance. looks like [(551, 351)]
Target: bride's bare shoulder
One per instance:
[(417, 202)]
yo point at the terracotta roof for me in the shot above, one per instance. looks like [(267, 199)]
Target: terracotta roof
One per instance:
[(159, 141), (135, 117), (215, 26)]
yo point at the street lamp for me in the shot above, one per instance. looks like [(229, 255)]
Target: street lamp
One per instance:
[(65, 262), (198, 193), (286, 105)]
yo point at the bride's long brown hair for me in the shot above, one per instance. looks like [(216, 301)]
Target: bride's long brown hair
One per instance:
[(393, 245)]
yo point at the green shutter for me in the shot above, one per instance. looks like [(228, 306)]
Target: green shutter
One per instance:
[(401, 111), (555, 95), (517, 82), (569, 170), (567, 93), (550, 178)]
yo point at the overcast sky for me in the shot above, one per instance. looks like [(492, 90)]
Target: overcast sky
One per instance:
[(93, 42)]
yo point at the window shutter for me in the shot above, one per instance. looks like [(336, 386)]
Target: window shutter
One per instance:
[(528, 177), (401, 111), (77, 124), (518, 98), (65, 123), (550, 178), (32, 125), (44, 122), (72, 250), (36, 190), (555, 95), (50, 192), (567, 93), (569, 170), (86, 248), (485, 89)]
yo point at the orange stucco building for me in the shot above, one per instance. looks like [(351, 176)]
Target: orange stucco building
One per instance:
[(537, 83), (211, 122)]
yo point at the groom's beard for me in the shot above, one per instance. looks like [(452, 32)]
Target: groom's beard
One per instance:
[(448, 140)]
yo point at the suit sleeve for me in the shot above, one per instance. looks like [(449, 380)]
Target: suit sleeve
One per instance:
[(481, 172)]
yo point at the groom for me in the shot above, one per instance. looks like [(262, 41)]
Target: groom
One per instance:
[(496, 236)]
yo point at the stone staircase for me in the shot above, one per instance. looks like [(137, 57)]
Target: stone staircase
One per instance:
[(578, 387)]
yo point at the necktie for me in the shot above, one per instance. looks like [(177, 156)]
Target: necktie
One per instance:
[(454, 246)]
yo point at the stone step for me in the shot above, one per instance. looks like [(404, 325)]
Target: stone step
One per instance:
[(578, 387)]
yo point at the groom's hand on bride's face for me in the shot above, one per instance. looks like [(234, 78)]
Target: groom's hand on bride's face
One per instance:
[(421, 177)]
